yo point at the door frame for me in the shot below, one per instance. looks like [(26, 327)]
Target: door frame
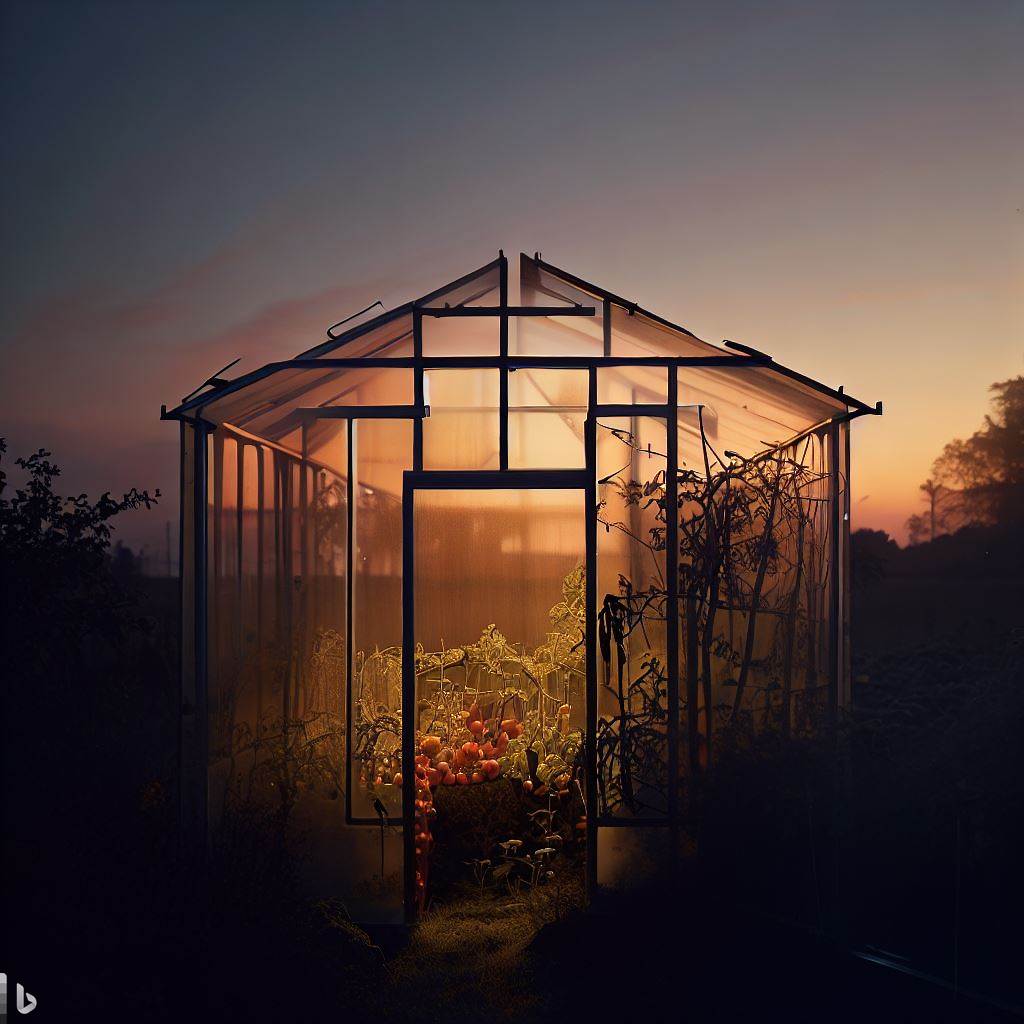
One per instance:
[(490, 480)]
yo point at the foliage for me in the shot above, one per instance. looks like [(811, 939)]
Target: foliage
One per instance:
[(753, 540), (872, 553), (55, 567), (979, 480)]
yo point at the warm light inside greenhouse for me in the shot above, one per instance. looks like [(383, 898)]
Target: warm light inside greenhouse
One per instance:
[(488, 578)]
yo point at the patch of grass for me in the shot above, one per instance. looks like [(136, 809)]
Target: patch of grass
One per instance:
[(472, 951)]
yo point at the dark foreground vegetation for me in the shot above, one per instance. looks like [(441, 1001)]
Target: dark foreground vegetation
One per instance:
[(899, 836)]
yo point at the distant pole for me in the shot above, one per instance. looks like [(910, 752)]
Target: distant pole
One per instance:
[(168, 538)]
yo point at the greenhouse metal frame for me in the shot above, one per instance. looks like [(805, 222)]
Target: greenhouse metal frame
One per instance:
[(269, 458)]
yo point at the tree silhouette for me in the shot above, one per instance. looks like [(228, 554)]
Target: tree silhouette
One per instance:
[(979, 480)]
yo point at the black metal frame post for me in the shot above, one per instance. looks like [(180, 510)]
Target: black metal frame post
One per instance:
[(201, 604), (408, 697), (590, 597), (418, 387), (672, 605), (503, 372), (350, 662), (835, 606)]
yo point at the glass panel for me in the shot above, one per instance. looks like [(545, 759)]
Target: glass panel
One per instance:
[(539, 287), (632, 746), (461, 431), (461, 335), (370, 386), (632, 385), (227, 678), (547, 412), (327, 445), (387, 335), (568, 335), (383, 451), (481, 289), (267, 408), (499, 617), (755, 553), (745, 410), (278, 658), (636, 334), (557, 335)]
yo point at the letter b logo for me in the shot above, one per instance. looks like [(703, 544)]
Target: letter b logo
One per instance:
[(26, 1001)]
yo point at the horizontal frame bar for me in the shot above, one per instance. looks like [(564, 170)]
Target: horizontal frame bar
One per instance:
[(657, 411), (519, 362), (441, 311), (364, 412), (494, 479)]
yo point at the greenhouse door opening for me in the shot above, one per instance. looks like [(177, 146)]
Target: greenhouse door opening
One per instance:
[(494, 675)]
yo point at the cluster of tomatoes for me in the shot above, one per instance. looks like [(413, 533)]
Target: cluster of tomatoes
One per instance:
[(453, 764), (475, 760)]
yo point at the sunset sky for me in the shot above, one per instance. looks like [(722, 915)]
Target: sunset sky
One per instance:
[(841, 185)]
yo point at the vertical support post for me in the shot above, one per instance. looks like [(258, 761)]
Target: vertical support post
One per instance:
[(304, 631), (846, 668), (201, 585), (350, 591), (417, 424), (186, 600), (261, 454), (606, 326), (287, 597), (503, 352), (590, 747), (672, 605), (239, 526), (215, 609), (408, 696), (835, 582)]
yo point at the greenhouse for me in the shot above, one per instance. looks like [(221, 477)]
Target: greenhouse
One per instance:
[(478, 586)]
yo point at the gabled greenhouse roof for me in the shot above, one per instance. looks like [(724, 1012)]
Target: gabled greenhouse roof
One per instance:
[(562, 322)]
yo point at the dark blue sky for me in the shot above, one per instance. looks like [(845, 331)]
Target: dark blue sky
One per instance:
[(839, 184)]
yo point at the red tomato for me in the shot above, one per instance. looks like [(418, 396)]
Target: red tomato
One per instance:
[(462, 779)]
